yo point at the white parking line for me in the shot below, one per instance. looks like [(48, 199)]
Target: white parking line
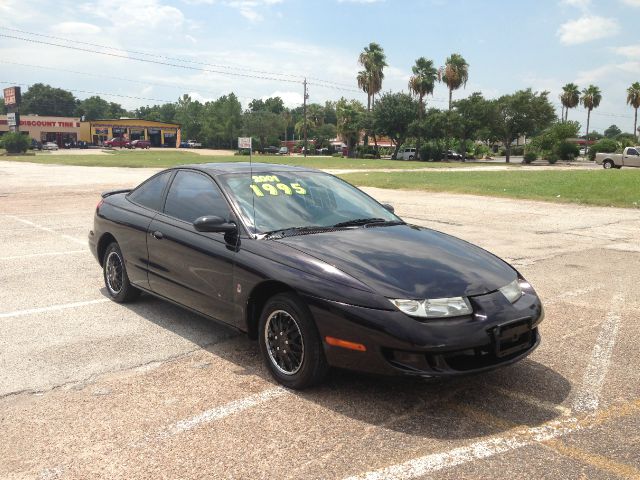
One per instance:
[(50, 230), (52, 308), (44, 254), (483, 449), (222, 411), (536, 402), (588, 397)]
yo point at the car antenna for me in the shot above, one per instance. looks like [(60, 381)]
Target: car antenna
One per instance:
[(246, 142)]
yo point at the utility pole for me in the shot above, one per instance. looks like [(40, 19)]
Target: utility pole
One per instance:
[(304, 113)]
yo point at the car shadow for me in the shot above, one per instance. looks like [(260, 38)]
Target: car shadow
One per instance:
[(527, 393)]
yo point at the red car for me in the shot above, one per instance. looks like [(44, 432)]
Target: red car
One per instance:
[(117, 142), (140, 144)]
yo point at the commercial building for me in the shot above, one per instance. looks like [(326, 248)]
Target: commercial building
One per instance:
[(160, 134), (59, 130)]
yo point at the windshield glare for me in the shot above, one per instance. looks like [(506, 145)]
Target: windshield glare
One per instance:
[(284, 200)]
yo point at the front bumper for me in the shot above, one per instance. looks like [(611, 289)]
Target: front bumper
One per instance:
[(497, 334)]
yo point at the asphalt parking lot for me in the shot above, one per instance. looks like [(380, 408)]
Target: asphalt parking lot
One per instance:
[(93, 389)]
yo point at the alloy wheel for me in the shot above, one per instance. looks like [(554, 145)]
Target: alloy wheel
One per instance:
[(114, 273), (284, 342)]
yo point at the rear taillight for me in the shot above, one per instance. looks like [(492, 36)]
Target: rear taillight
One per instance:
[(100, 203)]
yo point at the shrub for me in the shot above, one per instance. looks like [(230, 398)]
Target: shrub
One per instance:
[(567, 150), (552, 158), (15, 142), (531, 155), (244, 151), (337, 155), (606, 145), (368, 156), (517, 150)]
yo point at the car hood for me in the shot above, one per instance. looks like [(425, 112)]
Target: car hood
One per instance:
[(406, 261)]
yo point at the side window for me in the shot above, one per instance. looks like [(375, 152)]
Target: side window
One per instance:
[(149, 194), (632, 151), (192, 195)]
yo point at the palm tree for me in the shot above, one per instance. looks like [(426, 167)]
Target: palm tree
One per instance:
[(370, 79), (591, 97), (455, 74), (633, 99), (570, 98), (422, 83)]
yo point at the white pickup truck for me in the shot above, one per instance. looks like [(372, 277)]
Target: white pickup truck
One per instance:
[(630, 157)]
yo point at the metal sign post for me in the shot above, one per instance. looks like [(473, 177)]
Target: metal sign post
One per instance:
[(245, 142)]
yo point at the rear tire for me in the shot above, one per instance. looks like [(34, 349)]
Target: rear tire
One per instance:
[(115, 276), (290, 343), (607, 164)]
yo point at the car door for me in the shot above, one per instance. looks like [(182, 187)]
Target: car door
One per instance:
[(632, 158), (190, 267), (132, 227)]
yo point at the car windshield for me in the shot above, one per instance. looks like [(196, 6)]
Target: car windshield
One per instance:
[(277, 201)]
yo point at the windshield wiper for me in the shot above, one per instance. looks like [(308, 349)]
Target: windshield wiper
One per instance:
[(366, 221), (284, 231)]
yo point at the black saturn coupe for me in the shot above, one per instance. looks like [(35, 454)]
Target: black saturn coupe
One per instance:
[(316, 270)]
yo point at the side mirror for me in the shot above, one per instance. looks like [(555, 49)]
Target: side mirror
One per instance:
[(212, 223), (389, 207)]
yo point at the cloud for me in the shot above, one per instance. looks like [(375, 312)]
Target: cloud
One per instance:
[(631, 51), (586, 29), (360, 1), (582, 4), (289, 98), (76, 28), (148, 14), (249, 8), (632, 3)]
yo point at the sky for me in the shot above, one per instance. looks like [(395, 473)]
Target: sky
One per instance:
[(263, 48)]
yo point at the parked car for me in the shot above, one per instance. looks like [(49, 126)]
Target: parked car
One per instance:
[(283, 151), (119, 142), (35, 144), (82, 144), (190, 144), (270, 150), (407, 154), (140, 144), (49, 146), (317, 271), (630, 157), (323, 151), (453, 155)]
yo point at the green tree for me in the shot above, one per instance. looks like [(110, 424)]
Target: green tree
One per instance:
[(455, 74), (633, 99), (570, 98), (271, 104), (189, 116), (612, 132), (591, 98), (521, 113), (222, 122), (263, 125), (373, 59), (422, 83), (392, 116), (324, 134), (41, 99), (93, 108), (349, 115), (472, 113)]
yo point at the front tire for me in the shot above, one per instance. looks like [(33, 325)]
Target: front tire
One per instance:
[(290, 343), (115, 276)]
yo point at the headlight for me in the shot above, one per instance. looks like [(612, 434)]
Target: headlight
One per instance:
[(434, 307), (512, 291)]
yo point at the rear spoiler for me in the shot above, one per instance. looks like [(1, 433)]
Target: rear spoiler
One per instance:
[(114, 192)]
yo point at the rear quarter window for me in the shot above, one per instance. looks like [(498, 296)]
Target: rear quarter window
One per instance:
[(149, 194)]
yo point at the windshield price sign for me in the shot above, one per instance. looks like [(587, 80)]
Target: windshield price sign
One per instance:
[(244, 142)]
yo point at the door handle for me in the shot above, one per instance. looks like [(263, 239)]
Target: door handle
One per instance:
[(157, 235)]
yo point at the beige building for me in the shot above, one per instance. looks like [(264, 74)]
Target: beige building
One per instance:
[(160, 134), (60, 130)]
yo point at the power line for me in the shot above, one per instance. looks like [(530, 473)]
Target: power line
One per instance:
[(99, 75), (105, 94), (299, 78)]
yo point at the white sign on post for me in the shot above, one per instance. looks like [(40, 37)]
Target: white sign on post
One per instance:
[(12, 120), (244, 142)]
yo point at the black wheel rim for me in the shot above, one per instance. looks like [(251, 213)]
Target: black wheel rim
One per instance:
[(114, 273), (284, 342)]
